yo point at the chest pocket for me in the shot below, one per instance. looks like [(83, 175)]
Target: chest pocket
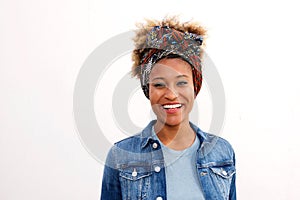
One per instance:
[(223, 177), (135, 181)]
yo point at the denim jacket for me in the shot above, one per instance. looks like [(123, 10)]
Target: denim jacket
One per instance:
[(134, 168)]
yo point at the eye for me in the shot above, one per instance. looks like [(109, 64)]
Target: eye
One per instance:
[(182, 83), (159, 85)]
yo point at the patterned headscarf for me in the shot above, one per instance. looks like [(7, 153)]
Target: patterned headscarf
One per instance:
[(164, 41)]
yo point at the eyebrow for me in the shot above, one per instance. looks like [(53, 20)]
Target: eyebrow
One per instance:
[(179, 76)]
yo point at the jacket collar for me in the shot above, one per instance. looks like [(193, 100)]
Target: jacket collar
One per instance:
[(147, 137)]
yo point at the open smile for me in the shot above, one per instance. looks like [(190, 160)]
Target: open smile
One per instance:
[(172, 108)]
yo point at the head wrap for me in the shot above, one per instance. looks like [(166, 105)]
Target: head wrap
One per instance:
[(164, 41)]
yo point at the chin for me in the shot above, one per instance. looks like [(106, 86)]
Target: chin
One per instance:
[(172, 121)]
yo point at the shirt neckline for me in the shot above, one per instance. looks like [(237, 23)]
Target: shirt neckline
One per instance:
[(195, 145)]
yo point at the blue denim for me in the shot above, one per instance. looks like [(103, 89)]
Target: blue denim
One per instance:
[(134, 168)]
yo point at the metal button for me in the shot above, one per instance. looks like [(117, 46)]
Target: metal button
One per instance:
[(157, 169), (159, 198), (203, 173), (154, 145), (134, 173), (224, 173)]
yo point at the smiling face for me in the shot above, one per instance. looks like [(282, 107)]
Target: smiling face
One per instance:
[(171, 91)]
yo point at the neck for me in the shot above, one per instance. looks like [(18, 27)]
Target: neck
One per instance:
[(177, 137)]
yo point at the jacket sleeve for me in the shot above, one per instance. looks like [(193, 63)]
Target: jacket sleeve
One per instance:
[(232, 193), (111, 189)]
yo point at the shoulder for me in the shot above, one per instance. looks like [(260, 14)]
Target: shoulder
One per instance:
[(128, 150), (219, 149), (136, 142), (128, 147), (217, 141), (208, 139), (214, 147), (129, 142)]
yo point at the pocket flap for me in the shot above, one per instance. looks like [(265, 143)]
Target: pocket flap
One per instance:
[(134, 172), (224, 171)]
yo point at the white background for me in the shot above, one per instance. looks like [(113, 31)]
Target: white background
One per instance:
[(254, 44)]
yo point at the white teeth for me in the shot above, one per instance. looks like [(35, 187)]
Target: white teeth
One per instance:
[(172, 106)]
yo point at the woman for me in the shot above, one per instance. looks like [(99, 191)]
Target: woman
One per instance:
[(171, 158)]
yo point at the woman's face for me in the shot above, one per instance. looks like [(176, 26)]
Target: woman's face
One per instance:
[(171, 91)]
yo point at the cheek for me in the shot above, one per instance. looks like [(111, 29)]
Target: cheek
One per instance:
[(154, 94), (151, 95), (191, 90), (189, 95), (187, 91)]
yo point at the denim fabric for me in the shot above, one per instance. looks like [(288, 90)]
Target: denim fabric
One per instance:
[(134, 168)]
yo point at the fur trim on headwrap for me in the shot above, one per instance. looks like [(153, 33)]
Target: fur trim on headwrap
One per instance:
[(163, 41), (160, 39)]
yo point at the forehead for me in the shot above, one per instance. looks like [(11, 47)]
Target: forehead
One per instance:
[(169, 67)]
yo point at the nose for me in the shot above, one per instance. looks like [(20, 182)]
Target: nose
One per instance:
[(171, 93)]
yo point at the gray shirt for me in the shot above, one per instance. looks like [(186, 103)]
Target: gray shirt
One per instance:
[(181, 173)]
